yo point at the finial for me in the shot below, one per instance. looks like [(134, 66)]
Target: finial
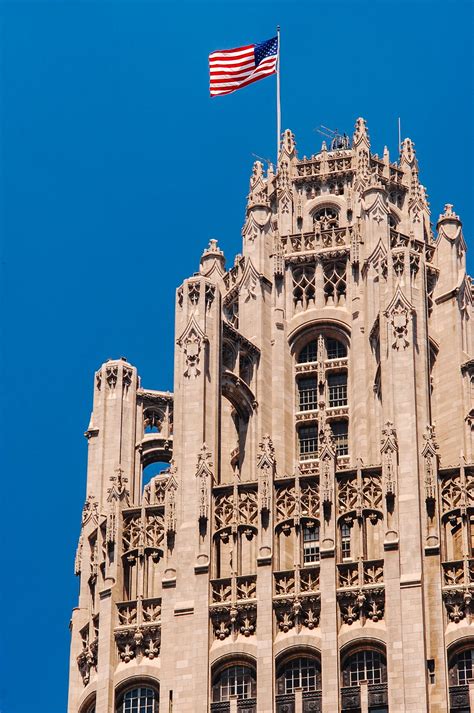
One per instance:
[(360, 133), (211, 256), (449, 214)]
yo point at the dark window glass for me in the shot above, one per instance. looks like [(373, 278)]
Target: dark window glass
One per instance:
[(335, 349), (302, 673), (308, 441), (308, 353), (365, 666), (307, 394), (337, 384), (234, 681), (139, 700), (311, 544), (341, 440)]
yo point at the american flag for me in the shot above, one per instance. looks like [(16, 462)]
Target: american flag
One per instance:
[(233, 69)]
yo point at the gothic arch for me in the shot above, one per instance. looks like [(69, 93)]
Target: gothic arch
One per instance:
[(306, 332), (327, 200), (89, 702)]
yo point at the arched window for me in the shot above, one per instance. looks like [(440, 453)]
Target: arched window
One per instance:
[(309, 352), (139, 699), (153, 420), (365, 665), (327, 218), (302, 672), (234, 680), (461, 667), (335, 349)]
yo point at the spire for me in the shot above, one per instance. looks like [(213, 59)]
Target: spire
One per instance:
[(361, 146), (449, 223), (258, 194), (287, 146), (212, 259), (361, 135)]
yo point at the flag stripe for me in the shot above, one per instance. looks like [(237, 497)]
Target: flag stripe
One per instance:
[(235, 68), (240, 82), (224, 77), (216, 74), (233, 52)]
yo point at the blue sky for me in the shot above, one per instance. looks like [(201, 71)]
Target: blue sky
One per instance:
[(116, 168)]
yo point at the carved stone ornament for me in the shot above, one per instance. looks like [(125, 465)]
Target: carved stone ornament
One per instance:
[(87, 659), (375, 201), (118, 490), (362, 604), (138, 642), (266, 470), (204, 475), (191, 342), (399, 314), (459, 604), (297, 613), (111, 376), (78, 557), (430, 456), (90, 511), (327, 459), (389, 453), (234, 619), (170, 503)]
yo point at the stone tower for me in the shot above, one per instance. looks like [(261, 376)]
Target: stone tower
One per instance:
[(311, 545)]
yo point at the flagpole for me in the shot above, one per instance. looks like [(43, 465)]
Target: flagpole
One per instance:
[(278, 96)]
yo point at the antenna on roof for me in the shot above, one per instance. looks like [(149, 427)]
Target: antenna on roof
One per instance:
[(260, 158), (338, 141)]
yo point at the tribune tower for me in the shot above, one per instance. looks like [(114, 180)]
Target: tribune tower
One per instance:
[(310, 546)]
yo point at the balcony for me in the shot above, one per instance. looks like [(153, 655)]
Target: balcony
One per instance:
[(312, 702), (459, 698), (244, 705)]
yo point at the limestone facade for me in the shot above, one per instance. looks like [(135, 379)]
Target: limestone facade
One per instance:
[(311, 545)]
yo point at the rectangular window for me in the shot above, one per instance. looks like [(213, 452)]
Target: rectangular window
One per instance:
[(308, 442), (335, 349), (311, 544), (345, 542), (337, 384), (341, 439), (307, 394)]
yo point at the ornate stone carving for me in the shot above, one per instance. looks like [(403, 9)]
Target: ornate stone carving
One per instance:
[(90, 511), (327, 459), (118, 490), (266, 471), (361, 604), (458, 603), (233, 620), (87, 659), (399, 314), (298, 613), (204, 476), (430, 456), (138, 642), (170, 503), (111, 376), (389, 453), (191, 342)]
